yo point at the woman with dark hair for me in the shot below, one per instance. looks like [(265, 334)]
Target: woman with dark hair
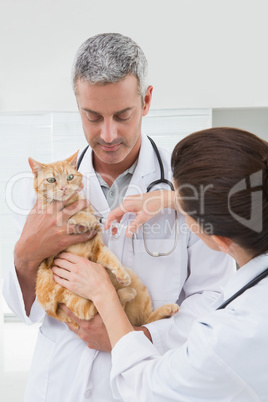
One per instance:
[(221, 187)]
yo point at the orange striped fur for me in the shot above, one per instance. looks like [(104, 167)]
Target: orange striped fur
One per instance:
[(132, 292)]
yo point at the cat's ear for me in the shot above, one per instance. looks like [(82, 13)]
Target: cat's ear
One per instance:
[(72, 160), (35, 166)]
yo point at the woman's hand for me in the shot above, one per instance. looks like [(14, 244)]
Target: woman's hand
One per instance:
[(145, 206), (81, 276), (91, 281)]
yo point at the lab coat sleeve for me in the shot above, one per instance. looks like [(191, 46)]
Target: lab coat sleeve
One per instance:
[(13, 296), (209, 272), (189, 373), (11, 288)]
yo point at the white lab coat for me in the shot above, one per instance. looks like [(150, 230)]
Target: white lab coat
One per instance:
[(224, 359), (63, 368)]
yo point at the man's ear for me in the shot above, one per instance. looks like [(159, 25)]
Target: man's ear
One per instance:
[(223, 243), (147, 100)]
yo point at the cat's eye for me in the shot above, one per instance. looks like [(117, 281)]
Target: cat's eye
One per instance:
[(70, 177), (51, 180)]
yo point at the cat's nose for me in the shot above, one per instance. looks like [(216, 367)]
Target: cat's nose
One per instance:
[(63, 189)]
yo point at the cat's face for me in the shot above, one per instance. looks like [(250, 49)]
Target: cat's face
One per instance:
[(56, 181)]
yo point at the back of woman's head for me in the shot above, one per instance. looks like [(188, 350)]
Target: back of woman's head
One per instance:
[(221, 175)]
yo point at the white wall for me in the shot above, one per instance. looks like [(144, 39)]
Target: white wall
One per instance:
[(214, 52), (254, 120)]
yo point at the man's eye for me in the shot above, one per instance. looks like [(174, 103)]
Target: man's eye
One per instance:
[(93, 118), (51, 180), (122, 116), (70, 177)]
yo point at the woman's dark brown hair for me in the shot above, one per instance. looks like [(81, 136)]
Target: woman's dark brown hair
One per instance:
[(221, 175)]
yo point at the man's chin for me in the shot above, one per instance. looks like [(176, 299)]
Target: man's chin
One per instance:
[(111, 158)]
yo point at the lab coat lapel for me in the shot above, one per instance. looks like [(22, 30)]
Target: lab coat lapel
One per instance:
[(145, 169), (92, 189), (245, 274), (143, 175)]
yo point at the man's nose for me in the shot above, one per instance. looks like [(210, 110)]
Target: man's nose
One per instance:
[(109, 130)]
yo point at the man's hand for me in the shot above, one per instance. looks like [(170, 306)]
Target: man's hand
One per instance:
[(93, 332), (145, 331), (45, 233)]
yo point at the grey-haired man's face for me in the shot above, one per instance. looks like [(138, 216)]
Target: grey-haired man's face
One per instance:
[(111, 117)]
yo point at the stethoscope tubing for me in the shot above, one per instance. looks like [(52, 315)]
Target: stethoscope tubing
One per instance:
[(162, 180)]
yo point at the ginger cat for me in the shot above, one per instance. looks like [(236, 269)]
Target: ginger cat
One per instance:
[(59, 181)]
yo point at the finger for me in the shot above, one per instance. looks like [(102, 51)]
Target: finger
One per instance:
[(37, 208), (74, 328), (55, 207), (68, 260), (77, 238), (140, 219), (75, 207), (115, 215), (70, 314), (64, 212), (80, 188), (65, 202), (61, 273), (68, 257), (74, 229), (114, 227), (63, 263), (114, 230), (61, 281)]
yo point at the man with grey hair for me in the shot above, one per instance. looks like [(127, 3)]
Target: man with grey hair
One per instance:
[(108, 58), (112, 93)]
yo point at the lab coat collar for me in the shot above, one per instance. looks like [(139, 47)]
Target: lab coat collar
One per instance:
[(92, 189), (245, 274), (146, 167), (147, 159)]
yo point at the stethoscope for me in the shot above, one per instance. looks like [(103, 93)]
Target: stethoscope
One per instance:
[(249, 285), (161, 180)]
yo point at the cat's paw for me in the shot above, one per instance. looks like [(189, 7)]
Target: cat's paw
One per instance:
[(124, 279), (126, 295), (171, 309)]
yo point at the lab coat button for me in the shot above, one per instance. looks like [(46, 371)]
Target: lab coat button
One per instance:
[(111, 194), (88, 393)]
